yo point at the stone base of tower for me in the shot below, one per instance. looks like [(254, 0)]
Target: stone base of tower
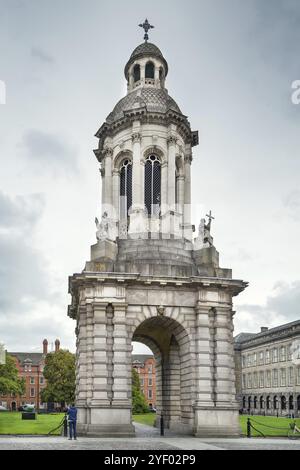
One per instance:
[(217, 422), (101, 422)]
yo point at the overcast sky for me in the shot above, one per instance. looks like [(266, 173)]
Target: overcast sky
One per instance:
[(231, 67)]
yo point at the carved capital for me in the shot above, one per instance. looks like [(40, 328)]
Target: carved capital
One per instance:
[(108, 152), (188, 158), (172, 140), (136, 137)]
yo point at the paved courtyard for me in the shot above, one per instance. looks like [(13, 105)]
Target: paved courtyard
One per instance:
[(147, 439)]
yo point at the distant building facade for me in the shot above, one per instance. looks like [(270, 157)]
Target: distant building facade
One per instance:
[(145, 367), (268, 371), (30, 366)]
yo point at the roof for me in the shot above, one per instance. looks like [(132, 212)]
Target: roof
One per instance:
[(268, 335), (146, 49), (153, 99), (22, 357), (142, 358)]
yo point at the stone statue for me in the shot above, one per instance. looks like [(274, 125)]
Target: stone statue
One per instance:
[(102, 227), (204, 239)]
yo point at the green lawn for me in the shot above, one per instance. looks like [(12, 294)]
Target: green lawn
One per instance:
[(264, 422), (12, 423), (149, 419)]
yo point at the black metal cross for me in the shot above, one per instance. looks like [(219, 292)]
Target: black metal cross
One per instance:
[(146, 26), (210, 218)]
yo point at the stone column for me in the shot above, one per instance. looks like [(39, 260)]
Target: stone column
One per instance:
[(137, 226), (102, 173), (164, 187), (187, 194), (108, 152), (136, 169), (225, 360), (180, 192), (81, 369), (171, 171)]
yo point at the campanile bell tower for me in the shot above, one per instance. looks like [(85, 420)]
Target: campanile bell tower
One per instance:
[(148, 279)]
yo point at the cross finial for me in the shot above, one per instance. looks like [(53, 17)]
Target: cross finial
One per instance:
[(210, 218), (146, 26)]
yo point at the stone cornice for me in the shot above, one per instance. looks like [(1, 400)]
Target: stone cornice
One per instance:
[(271, 336)]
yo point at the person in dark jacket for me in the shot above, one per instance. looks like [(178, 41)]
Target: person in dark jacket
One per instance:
[(72, 419)]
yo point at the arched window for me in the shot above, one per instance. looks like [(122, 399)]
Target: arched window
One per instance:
[(152, 185), (291, 402), (136, 73), (149, 71), (268, 403), (261, 403), (125, 188), (283, 402), (275, 403), (249, 403), (255, 403)]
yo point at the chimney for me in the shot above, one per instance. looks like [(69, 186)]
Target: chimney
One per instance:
[(263, 329), (57, 345), (45, 347)]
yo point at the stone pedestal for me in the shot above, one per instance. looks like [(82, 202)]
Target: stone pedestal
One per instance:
[(105, 422), (104, 250), (216, 422)]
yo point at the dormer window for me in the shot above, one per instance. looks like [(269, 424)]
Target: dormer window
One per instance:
[(149, 71), (136, 73)]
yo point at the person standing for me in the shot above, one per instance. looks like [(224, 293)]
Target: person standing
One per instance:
[(72, 419)]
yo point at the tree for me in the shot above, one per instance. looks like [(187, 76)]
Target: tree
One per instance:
[(59, 371), (10, 382), (139, 403)]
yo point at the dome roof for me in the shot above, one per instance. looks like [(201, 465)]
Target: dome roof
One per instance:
[(146, 49), (154, 99)]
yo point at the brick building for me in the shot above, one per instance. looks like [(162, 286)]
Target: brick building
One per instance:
[(145, 367), (30, 367)]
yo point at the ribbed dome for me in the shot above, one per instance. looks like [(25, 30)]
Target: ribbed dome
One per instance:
[(154, 99), (146, 49)]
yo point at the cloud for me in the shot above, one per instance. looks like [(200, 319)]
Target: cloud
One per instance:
[(281, 307), (41, 55), (24, 276), (21, 212), (292, 203), (49, 151)]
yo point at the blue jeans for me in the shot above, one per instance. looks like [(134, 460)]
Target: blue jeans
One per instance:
[(72, 428)]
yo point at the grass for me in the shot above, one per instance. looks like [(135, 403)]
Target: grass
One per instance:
[(268, 421), (12, 423), (149, 418)]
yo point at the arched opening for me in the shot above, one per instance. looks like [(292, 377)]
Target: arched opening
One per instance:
[(261, 403), (275, 403), (149, 70), (153, 185), (136, 73), (249, 403), (255, 403), (298, 402), (268, 403), (125, 188), (174, 371), (13, 406), (244, 402), (283, 402), (291, 402)]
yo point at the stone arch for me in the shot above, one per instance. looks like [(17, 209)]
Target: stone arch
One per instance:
[(120, 157), (171, 345), (150, 70), (291, 402), (154, 150), (136, 72)]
